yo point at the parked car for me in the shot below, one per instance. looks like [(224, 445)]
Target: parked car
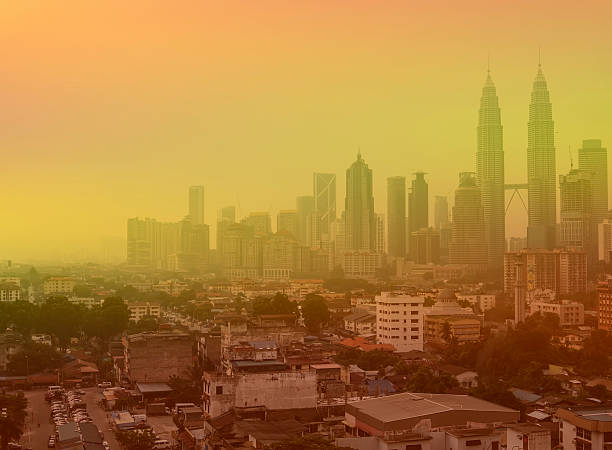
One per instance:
[(105, 384)]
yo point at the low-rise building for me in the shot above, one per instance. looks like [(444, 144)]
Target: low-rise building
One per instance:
[(173, 288), (140, 310), (402, 412), (484, 302), (154, 357), (360, 322), (10, 292), (585, 428), (58, 285), (88, 302), (10, 344), (446, 320), (569, 313)]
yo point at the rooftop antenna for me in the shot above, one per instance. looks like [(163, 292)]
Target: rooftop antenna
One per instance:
[(569, 149), (488, 62), (539, 56)]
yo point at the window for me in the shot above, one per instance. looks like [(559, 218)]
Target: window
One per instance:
[(473, 443), (494, 445), (413, 447), (219, 390)]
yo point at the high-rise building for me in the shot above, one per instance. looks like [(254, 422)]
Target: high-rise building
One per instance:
[(359, 207), (280, 257), (593, 158), (225, 217), (399, 321), (604, 241), (260, 222), (324, 192), (468, 245), (305, 208), (396, 216), (440, 212), (576, 227), (418, 203), (604, 305), (562, 271), (380, 234), (242, 256), (490, 174), (196, 204), (541, 169), (286, 221), (425, 246)]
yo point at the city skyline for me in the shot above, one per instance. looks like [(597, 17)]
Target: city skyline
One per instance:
[(105, 125)]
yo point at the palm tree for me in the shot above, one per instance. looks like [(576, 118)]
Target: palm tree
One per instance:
[(12, 418)]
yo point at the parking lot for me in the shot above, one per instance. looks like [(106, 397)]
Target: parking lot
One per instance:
[(38, 425)]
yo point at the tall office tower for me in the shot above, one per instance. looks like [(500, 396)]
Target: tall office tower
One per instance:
[(520, 294), (242, 253), (467, 245), (380, 234), (576, 227), (604, 241), (305, 207), (324, 191), (593, 158), (225, 217), (425, 246), (396, 216), (490, 174), (359, 207), (139, 242), (286, 221), (260, 222), (440, 212), (418, 203), (541, 170), (196, 204)]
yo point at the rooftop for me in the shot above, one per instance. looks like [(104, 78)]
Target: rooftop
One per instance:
[(148, 388)]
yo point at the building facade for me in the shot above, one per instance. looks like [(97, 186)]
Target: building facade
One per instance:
[(396, 216), (399, 321)]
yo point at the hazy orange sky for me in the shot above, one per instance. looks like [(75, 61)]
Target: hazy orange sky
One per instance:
[(112, 109)]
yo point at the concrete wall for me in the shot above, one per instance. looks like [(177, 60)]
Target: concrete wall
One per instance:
[(154, 360), (281, 390)]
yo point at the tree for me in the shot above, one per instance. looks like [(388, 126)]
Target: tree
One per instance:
[(12, 418), (60, 318), (279, 304), (185, 390), (137, 440), (114, 317), (33, 358), (447, 332), (315, 312)]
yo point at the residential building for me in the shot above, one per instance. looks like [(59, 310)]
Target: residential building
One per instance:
[(570, 313), (484, 302), (396, 216), (399, 321), (154, 357), (58, 285), (88, 302), (10, 292), (490, 174), (174, 288), (468, 243), (541, 168), (10, 344), (281, 257), (360, 264), (446, 320), (225, 217), (138, 310), (242, 253), (360, 322), (360, 220), (561, 271), (604, 305)]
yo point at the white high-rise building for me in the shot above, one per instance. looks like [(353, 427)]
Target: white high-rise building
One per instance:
[(399, 321)]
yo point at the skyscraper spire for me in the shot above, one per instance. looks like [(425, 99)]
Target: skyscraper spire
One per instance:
[(541, 169), (490, 173)]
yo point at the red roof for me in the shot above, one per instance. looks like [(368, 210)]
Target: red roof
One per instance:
[(363, 344)]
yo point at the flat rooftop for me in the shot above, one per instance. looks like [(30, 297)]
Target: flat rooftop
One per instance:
[(403, 411)]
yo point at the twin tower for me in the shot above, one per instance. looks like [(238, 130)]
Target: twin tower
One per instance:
[(541, 170)]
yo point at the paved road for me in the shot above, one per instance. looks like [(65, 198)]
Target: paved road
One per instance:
[(37, 436)]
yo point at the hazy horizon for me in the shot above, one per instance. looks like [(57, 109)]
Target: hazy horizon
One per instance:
[(113, 110)]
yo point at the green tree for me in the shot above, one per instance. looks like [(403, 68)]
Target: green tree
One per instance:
[(447, 332), (12, 418), (61, 318), (315, 312)]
